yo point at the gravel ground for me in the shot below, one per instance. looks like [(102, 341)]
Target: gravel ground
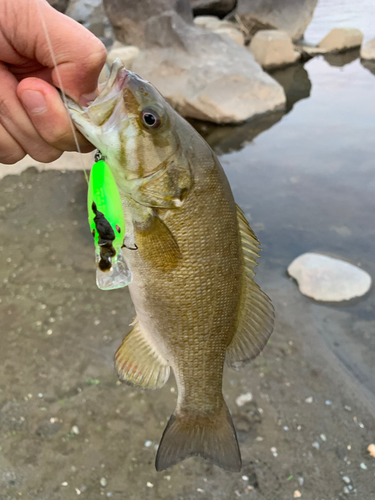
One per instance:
[(68, 428)]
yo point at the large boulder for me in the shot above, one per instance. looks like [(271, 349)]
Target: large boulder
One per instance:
[(218, 8), (341, 39), (129, 17), (224, 28), (90, 13), (127, 54), (292, 16), (204, 75), (273, 48), (368, 50), (60, 5)]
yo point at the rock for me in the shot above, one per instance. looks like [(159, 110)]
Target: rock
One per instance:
[(225, 28), (233, 33), (204, 75), (60, 5), (371, 450), (341, 39), (244, 398), (127, 54), (292, 16), (218, 8), (328, 279), (368, 50), (273, 48), (128, 17), (90, 13)]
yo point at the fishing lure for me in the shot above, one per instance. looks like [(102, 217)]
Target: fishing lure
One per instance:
[(107, 224)]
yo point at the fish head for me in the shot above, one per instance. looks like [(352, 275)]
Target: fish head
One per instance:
[(130, 123)]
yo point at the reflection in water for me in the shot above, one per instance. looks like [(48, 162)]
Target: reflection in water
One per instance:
[(342, 58), (296, 83), (227, 138), (370, 65)]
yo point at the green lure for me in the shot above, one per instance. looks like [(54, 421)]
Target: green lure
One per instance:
[(107, 224)]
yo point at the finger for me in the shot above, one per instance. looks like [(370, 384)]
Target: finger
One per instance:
[(51, 120), (18, 125), (10, 151), (79, 55)]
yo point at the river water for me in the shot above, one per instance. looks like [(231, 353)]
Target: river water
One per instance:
[(306, 179)]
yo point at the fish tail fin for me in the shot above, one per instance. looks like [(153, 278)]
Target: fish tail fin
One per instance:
[(211, 436)]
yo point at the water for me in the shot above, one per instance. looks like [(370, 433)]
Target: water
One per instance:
[(306, 179), (342, 13)]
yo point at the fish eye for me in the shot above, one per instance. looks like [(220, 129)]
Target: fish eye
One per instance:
[(150, 118)]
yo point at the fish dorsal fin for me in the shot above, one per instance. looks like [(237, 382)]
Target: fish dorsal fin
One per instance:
[(256, 313), (138, 363)]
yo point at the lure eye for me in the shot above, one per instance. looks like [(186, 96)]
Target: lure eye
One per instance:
[(150, 118), (118, 228)]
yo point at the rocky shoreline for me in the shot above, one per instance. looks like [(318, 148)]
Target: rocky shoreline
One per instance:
[(213, 67)]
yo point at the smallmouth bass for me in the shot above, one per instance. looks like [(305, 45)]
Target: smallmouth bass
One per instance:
[(193, 290)]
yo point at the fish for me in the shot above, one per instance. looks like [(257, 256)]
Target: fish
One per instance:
[(193, 287)]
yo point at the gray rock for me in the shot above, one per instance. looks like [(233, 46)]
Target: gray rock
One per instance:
[(224, 28), (368, 50), (218, 8), (341, 39), (328, 279), (129, 17), (90, 13), (292, 16), (204, 75), (127, 54), (60, 5), (273, 48)]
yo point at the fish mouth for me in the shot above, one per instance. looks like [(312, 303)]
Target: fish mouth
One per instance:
[(102, 115)]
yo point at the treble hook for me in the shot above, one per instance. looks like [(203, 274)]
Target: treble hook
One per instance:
[(129, 248)]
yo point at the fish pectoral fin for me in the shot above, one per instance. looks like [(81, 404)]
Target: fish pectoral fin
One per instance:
[(156, 244), (211, 436), (138, 363), (256, 313)]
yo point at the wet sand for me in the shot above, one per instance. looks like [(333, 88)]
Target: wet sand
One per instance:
[(66, 423)]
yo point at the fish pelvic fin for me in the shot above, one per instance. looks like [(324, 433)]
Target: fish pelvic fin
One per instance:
[(138, 363), (211, 436), (256, 313)]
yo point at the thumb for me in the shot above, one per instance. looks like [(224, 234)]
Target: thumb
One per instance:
[(53, 38)]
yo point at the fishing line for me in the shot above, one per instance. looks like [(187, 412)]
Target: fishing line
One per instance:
[(42, 19)]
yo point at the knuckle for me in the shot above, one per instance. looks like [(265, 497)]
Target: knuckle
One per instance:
[(97, 56)]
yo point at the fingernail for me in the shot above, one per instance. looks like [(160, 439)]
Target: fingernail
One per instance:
[(34, 101), (85, 99)]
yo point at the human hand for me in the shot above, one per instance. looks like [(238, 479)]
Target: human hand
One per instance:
[(33, 119)]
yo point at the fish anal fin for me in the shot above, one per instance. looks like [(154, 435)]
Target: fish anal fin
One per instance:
[(256, 313), (211, 436), (138, 363)]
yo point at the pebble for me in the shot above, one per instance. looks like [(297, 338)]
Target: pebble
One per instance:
[(78, 491), (363, 466), (309, 399), (316, 445), (323, 437), (103, 482), (301, 481), (259, 438), (347, 408), (274, 451), (328, 402), (148, 444), (64, 483), (371, 450), (286, 428), (245, 478), (244, 398), (297, 494), (346, 479), (75, 429), (149, 485), (346, 490)]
